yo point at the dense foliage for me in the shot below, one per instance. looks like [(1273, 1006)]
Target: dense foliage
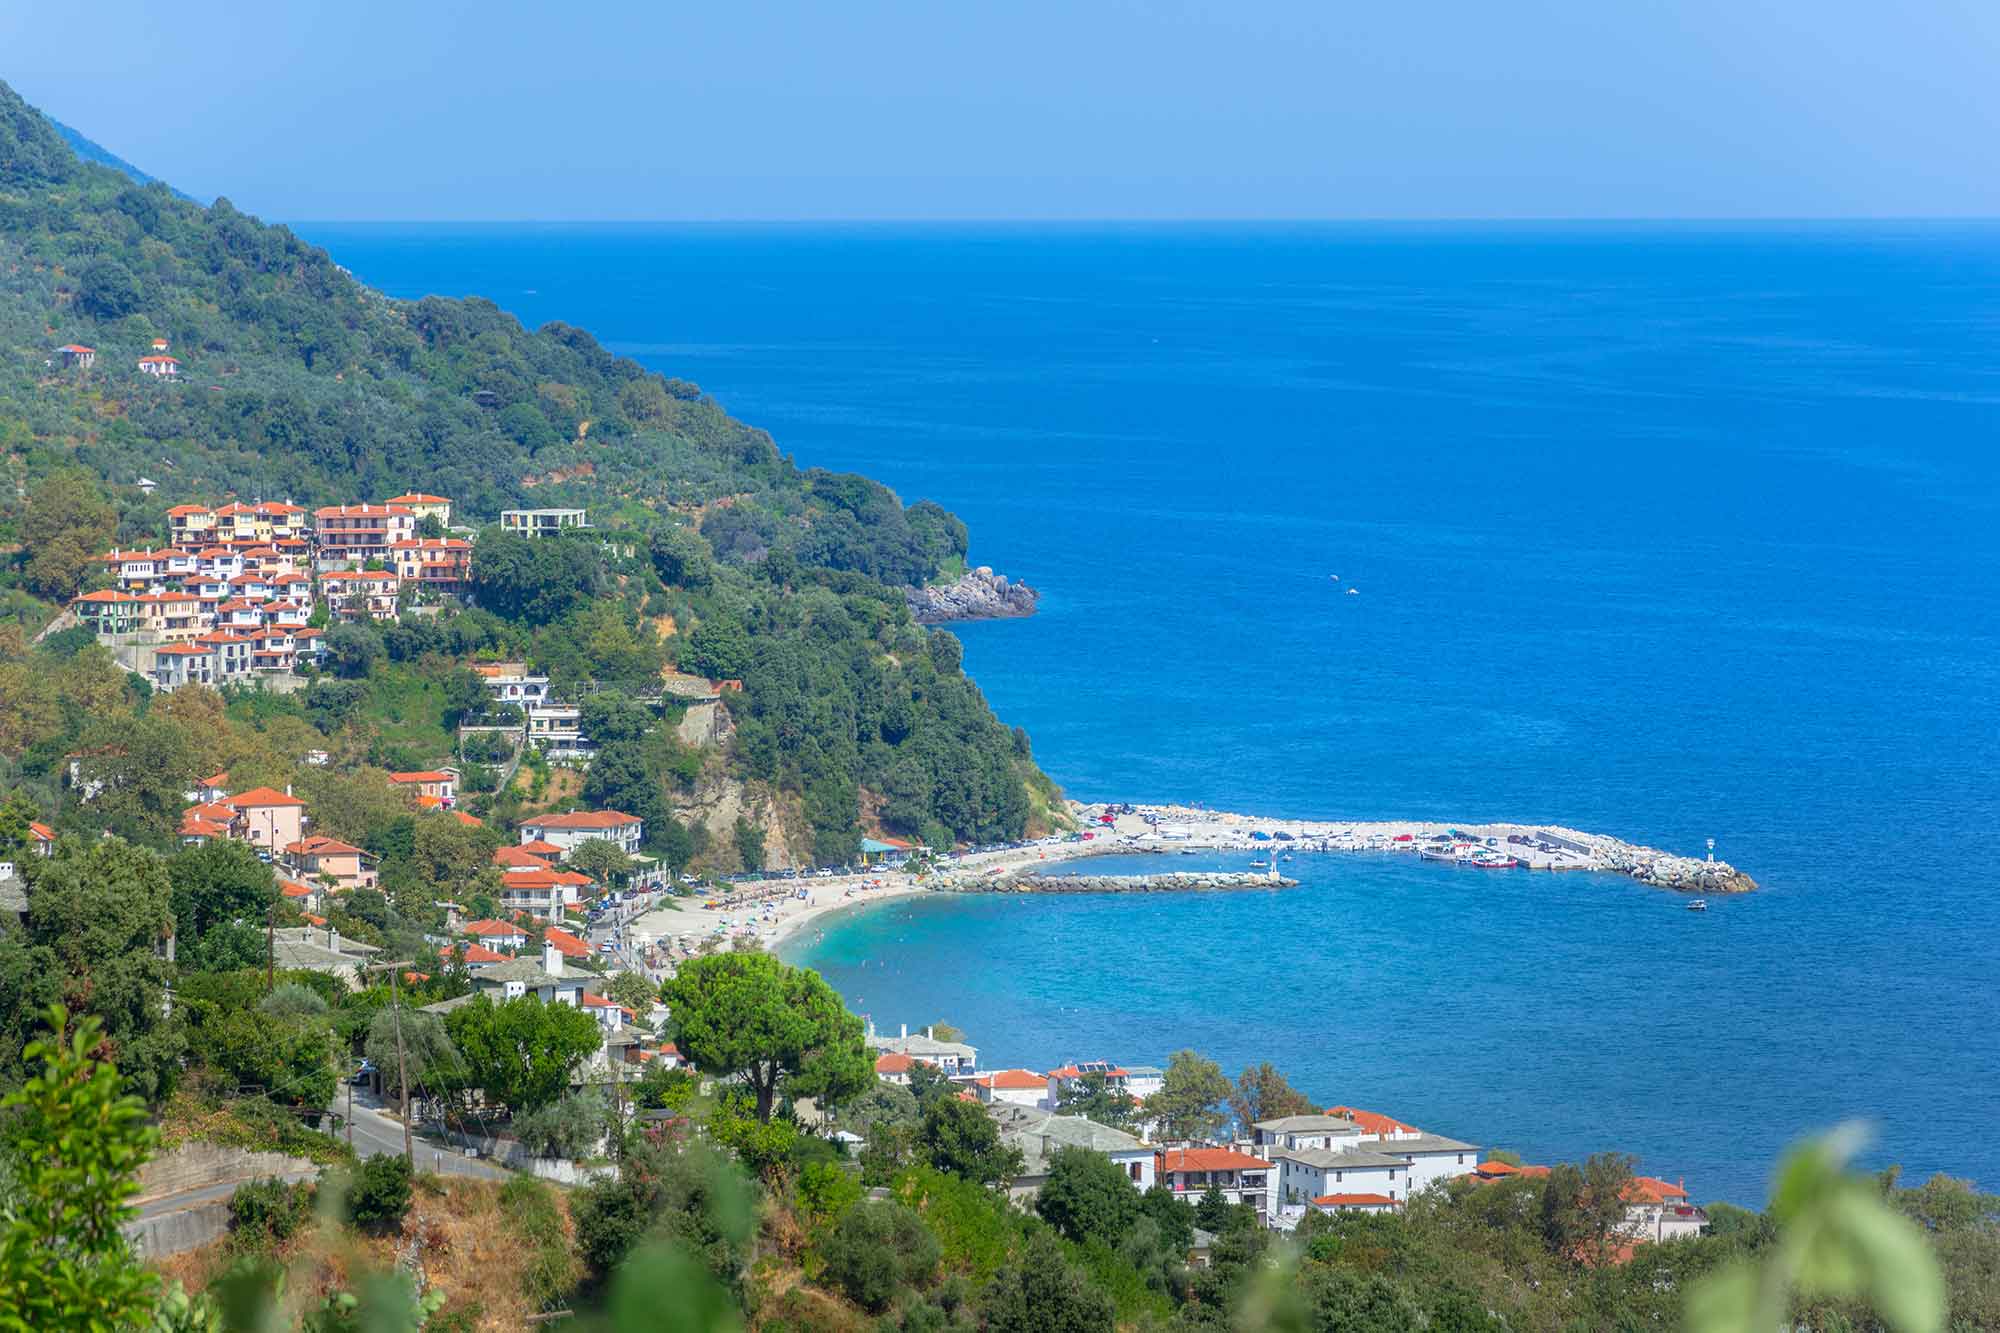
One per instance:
[(710, 551)]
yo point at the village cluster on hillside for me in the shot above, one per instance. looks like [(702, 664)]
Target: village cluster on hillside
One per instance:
[(244, 591), (1343, 1159)]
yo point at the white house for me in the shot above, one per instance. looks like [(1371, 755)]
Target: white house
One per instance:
[(160, 365), (1306, 1174), (572, 830), (1432, 1157), (1658, 1211), (1325, 1132), (542, 522), (1013, 1087), (954, 1058)]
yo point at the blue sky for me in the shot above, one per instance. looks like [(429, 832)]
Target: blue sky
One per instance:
[(434, 109)]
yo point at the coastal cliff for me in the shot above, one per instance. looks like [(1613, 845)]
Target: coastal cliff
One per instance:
[(978, 594)]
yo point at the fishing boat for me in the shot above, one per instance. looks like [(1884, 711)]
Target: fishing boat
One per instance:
[(1698, 905), (1491, 860), (1436, 854)]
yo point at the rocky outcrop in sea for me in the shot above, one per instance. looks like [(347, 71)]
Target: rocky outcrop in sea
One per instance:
[(978, 594), (1664, 870)]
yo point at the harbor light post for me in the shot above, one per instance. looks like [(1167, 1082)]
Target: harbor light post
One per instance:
[(1711, 851)]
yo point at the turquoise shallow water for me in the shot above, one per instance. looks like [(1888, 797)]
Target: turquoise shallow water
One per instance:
[(1673, 532)]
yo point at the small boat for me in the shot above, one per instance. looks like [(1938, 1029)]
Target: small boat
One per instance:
[(1698, 905), (1353, 591), (1259, 863)]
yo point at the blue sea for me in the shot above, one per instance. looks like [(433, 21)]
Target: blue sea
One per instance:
[(1672, 532)]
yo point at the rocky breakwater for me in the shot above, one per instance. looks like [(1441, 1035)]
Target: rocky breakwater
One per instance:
[(1173, 882), (978, 594), (1686, 874)]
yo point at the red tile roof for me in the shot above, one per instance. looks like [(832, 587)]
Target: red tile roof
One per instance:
[(541, 879), (1355, 1201), (291, 888), (261, 796), (491, 927), (465, 819), (1013, 1078), (417, 497), (41, 832), (541, 847), (895, 1062), (478, 954), (1648, 1189), (1210, 1159), (582, 819), (1372, 1122), (319, 846), (566, 944), (520, 857), (429, 775)]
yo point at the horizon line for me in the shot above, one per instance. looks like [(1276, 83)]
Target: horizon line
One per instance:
[(1456, 219)]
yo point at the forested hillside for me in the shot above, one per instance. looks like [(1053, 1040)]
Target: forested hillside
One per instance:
[(712, 551)]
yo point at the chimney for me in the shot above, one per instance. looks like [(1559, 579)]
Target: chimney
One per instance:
[(551, 959), (905, 1033), (332, 937)]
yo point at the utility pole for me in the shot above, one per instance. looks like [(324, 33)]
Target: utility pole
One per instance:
[(402, 1067), (271, 947)]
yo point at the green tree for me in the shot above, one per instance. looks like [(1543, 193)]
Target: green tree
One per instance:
[(774, 1026), (1190, 1102), (108, 290), (1043, 1292), (749, 840), (601, 859), (1093, 1097), (877, 1250), (16, 813), (221, 897), (1583, 1208), (1087, 1196), (352, 651), (78, 1145), (99, 916), (717, 648), (1262, 1093), (633, 990), (960, 1137), (428, 1055), (522, 1052), (682, 558), (1212, 1211), (139, 770)]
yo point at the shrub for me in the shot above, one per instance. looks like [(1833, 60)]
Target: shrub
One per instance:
[(379, 1195), (264, 1212), (548, 1270), (571, 1126), (877, 1249)]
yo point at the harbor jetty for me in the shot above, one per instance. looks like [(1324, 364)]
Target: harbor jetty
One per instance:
[(1127, 829), (1170, 882)]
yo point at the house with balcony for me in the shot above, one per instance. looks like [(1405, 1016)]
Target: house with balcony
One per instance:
[(160, 366), (110, 611), (441, 564), (1241, 1178), (544, 893), (1659, 1211), (542, 522), (270, 819), (191, 526), (75, 356), (437, 786), (572, 830), (355, 595), (423, 506), (176, 665), (317, 858), (354, 534), (513, 683)]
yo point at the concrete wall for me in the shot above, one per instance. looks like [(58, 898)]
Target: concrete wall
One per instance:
[(509, 1153), (199, 1171)]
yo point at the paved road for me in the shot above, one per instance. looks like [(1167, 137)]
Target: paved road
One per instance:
[(379, 1135)]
